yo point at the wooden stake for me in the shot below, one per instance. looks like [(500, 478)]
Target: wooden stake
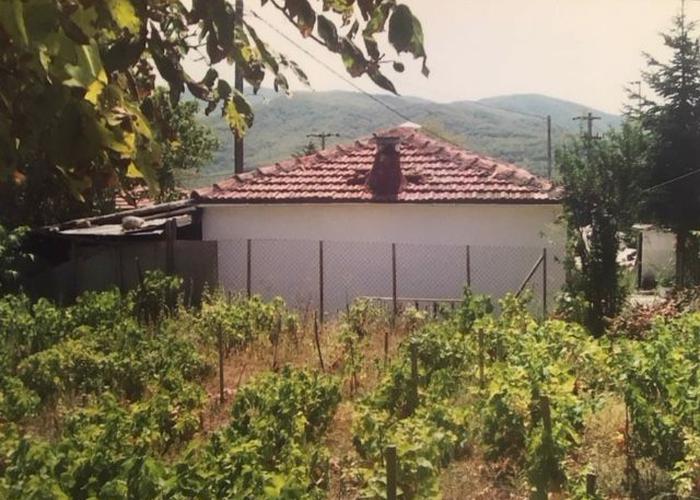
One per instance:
[(413, 401), (391, 471), (481, 358), (276, 340), (591, 487), (221, 365)]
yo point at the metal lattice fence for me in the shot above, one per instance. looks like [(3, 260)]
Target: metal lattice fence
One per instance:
[(329, 275)]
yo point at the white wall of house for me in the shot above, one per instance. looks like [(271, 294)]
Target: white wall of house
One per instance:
[(505, 242), (477, 224), (658, 252)]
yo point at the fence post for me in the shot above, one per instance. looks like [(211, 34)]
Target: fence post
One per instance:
[(640, 251), (321, 307), (170, 237), (391, 471), (249, 266), (394, 293), (469, 267), (277, 332), (544, 283), (318, 343)]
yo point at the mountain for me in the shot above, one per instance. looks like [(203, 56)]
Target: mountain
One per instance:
[(508, 127), (561, 111)]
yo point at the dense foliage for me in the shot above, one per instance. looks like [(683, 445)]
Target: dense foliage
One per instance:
[(602, 181), (120, 377), (521, 393), (77, 81), (105, 399), (672, 116), (13, 257), (187, 146)]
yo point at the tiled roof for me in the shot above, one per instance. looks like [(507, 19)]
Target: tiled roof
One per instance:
[(435, 171)]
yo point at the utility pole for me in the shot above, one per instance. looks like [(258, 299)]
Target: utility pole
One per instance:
[(589, 119), (323, 136), (238, 84), (549, 146)]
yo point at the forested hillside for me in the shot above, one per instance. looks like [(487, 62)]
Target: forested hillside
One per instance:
[(507, 127)]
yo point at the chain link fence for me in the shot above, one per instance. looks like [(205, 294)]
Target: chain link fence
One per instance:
[(329, 275)]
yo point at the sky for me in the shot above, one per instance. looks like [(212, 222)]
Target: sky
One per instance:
[(585, 51)]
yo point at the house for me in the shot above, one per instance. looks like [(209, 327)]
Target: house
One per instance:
[(400, 215), (400, 204)]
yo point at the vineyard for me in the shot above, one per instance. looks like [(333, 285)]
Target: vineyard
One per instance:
[(120, 396)]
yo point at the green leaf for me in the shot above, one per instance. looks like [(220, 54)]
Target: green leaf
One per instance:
[(401, 29), (328, 33), (12, 20), (353, 58), (303, 14), (238, 113), (124, 15), (381, 80), (87, 69), (406, 34), (223, 89)]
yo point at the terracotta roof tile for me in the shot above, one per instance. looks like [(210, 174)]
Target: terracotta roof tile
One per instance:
[(436, 171)]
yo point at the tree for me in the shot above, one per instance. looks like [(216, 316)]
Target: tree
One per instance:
[(76, 77), (602, 179), (186, 143), (672, 117)]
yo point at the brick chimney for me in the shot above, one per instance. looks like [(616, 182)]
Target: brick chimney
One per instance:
[(386, 178)]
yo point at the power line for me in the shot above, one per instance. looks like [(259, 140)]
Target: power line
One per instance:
[(373, 97), (331, 69), (671, 181)]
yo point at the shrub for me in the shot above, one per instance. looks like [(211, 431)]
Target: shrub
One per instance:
[(156, 297)]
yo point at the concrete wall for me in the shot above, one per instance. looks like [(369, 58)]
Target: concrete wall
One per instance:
[(488, 225), (658, 253), (505, 242)]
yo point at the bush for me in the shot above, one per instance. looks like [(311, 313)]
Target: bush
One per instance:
[(156, 297)]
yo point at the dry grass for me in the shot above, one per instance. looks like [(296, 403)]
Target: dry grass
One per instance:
[(259, 357), (474, 478), (603, 450)]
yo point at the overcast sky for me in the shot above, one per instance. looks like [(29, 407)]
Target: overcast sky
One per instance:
[(580, 50)]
